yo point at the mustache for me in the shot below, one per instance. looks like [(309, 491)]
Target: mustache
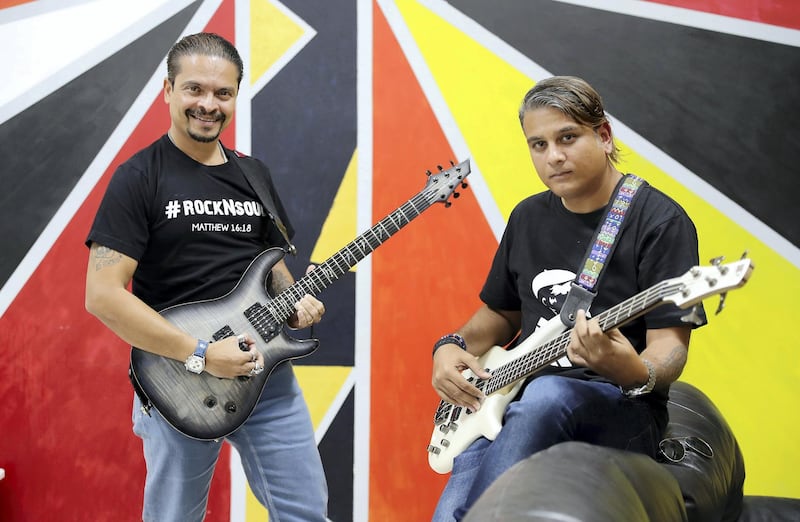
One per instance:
[(199, 113)]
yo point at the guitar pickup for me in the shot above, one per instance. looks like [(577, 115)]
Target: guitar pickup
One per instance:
[(253, 310), (266, 326), (433, 449)]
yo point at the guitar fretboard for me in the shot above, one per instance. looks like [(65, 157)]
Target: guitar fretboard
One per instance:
[(267, 318), (556, 348)]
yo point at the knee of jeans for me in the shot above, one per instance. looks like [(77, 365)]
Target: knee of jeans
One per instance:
[(470, 459), (545, 395)]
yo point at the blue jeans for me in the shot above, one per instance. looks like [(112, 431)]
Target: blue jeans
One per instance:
[(550, 410), (278, 451)]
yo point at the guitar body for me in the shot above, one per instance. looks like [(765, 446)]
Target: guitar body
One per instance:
[(456, 428), (203, 406)]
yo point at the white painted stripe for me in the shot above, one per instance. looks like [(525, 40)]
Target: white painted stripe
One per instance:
[(39, 67), (363, 312), (441, 110), (668, 164), (308, 34), (244, 138), (244, 102), (94, 172), (696, 19), (238, 488)]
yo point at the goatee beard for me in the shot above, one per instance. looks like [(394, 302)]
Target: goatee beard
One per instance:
[(203, 139)]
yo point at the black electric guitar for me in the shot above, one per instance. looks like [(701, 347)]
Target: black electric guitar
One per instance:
[(456, 428), (207, 407)]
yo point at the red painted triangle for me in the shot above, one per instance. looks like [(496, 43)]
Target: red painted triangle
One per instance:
[(783, 14)]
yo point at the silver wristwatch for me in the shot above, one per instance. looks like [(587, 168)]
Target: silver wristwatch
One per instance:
[(196, 362)]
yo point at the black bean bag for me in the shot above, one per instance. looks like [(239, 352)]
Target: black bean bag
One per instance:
[(574, 481)]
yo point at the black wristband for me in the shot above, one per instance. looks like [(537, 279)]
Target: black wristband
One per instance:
[(452, 338)]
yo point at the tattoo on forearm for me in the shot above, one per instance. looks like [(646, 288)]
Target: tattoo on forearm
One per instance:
[(672, 365), (104, 256)]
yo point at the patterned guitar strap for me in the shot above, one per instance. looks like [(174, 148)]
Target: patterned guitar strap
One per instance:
[(583, 290)]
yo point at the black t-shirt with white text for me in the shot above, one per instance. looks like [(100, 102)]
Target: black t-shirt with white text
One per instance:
[(192, 228)]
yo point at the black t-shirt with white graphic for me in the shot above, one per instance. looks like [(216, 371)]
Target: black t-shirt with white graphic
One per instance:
[(192, 228), (544, 245)]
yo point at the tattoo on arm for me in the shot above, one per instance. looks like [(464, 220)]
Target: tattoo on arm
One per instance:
[(104, 256), (672, 365)]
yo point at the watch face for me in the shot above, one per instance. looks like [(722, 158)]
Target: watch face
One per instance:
[(195, 364)]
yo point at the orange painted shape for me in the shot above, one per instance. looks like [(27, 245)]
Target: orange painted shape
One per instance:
[(423, 285), (11, 3)]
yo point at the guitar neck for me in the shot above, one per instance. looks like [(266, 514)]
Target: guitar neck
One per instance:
[(544, 354), (346, 258)]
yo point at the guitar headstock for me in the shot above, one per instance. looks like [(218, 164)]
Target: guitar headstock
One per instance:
[(442, 184), (701, 282)]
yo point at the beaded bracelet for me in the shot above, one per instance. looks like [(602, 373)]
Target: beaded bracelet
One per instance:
[(452, 338)]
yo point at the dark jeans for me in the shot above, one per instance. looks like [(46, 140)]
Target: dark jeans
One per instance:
[(550, 410)]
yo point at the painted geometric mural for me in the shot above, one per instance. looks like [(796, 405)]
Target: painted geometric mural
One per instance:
[(350, 103)]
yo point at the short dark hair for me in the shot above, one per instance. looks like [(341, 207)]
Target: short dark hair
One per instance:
[(206, 44), (574, 97)]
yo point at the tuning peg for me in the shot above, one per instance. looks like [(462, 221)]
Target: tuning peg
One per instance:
[(722, 297), (692, 317), (440, 168), (744, 254), (717, 262), (464, 185), (452, 164), (428, 172), (447, 204)]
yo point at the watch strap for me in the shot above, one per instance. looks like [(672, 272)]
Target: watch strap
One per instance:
[(648, 386), (200, 349)]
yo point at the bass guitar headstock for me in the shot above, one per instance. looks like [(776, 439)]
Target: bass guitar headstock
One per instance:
[(701, 282)]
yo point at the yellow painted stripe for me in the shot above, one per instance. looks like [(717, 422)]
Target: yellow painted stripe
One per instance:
[(272, 33)]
